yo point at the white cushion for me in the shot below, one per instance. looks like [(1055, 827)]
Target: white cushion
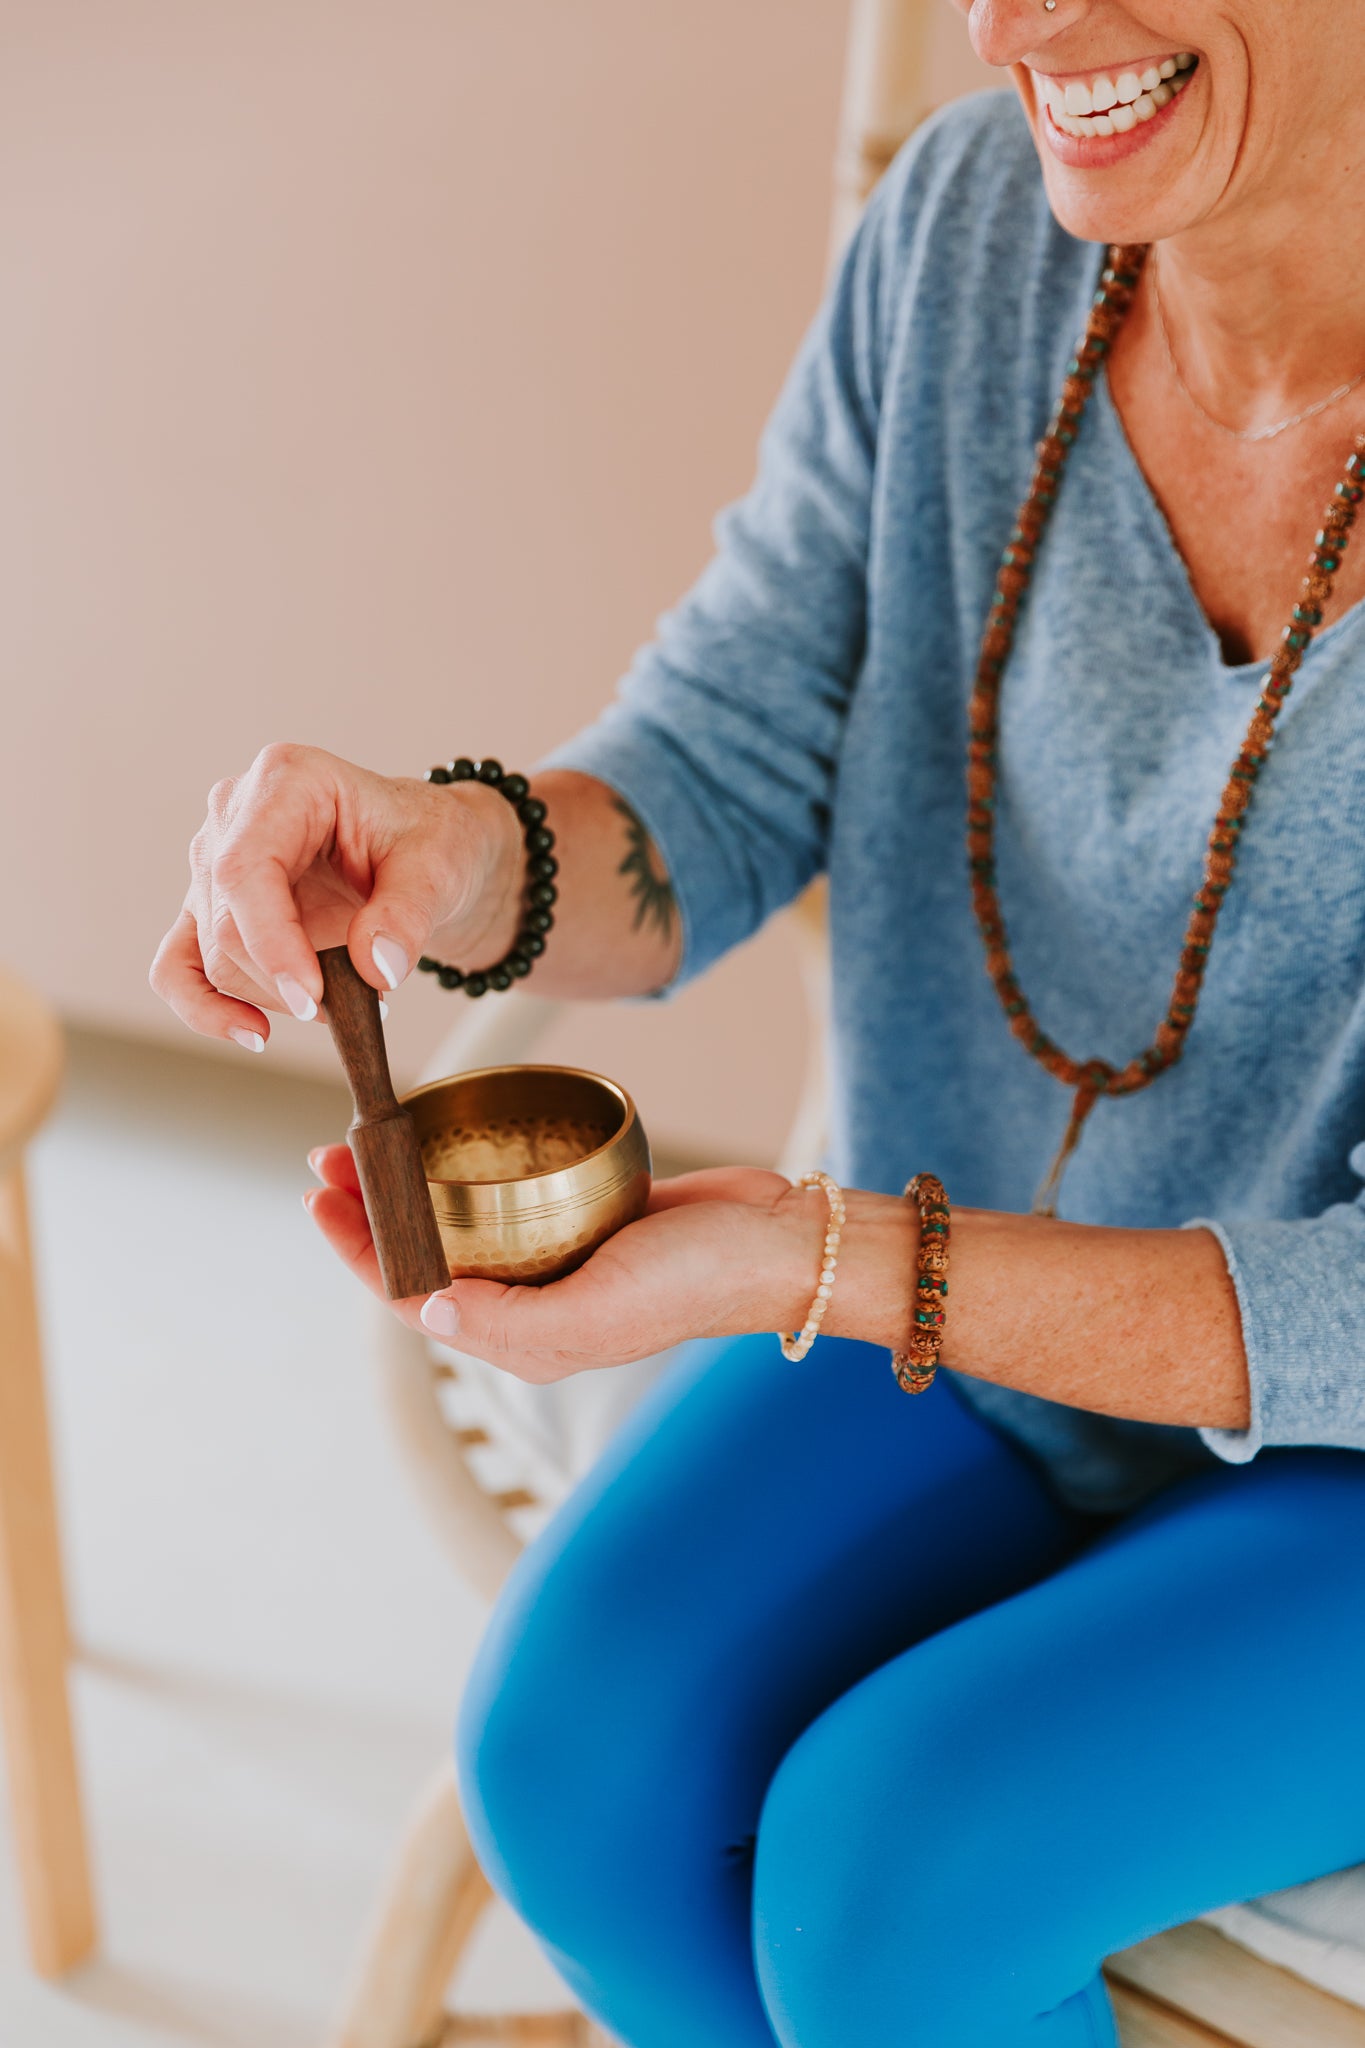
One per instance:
[(1316, 1930)]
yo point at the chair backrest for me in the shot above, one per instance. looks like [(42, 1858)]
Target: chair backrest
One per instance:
[(885, 97)]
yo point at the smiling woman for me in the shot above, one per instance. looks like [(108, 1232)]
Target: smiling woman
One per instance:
[(1051, 534)]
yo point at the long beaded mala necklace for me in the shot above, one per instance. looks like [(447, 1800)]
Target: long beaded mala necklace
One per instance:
[(1090, 1079)]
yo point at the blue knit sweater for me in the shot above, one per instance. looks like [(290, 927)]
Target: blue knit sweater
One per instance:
[(804, 709)]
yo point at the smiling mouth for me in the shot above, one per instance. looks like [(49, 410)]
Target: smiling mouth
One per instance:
[(1111, 103)]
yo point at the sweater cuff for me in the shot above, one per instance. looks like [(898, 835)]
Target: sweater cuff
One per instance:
[(1298, 1285), (1238, 1446)]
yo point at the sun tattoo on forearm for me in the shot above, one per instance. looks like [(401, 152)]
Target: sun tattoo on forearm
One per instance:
[(654, 899)]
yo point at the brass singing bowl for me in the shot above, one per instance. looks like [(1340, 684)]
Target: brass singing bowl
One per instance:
[(529, 1168)]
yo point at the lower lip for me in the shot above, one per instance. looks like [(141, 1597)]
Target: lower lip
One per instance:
[(1098, 152)]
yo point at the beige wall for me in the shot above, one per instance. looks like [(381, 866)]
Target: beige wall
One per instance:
[(369, 375)]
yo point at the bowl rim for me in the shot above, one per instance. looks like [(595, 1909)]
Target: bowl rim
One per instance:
[(526, 1180)]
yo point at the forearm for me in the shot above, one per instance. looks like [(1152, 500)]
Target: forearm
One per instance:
[(617, 930), (1136, 1323)]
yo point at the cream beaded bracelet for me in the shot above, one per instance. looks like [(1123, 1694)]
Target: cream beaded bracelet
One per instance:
[(795, 1348)]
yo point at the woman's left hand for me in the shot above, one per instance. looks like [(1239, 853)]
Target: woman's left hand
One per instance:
[(716, 1254)]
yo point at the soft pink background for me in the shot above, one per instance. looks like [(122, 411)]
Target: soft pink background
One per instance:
[(369, 375)]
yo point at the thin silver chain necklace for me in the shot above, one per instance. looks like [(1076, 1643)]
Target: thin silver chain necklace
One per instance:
[(1238, 433)]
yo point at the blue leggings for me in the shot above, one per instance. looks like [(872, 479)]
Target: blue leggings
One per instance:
[(813, 1718)]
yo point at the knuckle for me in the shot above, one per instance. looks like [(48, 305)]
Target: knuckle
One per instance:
[(495, 1340), (227, 870), (280, 757), (220, 796), (217, 969), (220, 966), (222, 929)]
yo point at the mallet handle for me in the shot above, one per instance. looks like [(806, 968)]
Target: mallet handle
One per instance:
[(382, 1137)]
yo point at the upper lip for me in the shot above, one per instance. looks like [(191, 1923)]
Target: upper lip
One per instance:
[(1138, 64)]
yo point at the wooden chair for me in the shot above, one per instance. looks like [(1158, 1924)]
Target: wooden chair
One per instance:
[(1190, 1988)]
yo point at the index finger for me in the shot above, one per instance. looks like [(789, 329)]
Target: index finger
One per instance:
[(177, 974), (257, 887)]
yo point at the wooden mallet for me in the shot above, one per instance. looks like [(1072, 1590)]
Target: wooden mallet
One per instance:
[(382, 1138)]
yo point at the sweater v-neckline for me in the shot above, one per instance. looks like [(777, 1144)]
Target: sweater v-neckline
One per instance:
[(1328, 637)]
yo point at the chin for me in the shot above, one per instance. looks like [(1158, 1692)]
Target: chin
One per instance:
[(1123, 217)]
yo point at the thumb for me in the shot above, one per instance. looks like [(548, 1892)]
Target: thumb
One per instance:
[(535, 1333)]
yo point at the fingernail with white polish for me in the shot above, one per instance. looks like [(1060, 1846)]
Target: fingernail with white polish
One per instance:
[(295, 997), (383, 1009), (391, 960), (250, 1041), (440, 1315)]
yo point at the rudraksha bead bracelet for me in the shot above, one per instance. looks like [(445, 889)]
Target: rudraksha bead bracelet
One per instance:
[(916, 1365)]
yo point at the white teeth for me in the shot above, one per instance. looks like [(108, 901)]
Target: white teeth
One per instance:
[(1184, 60), (1114, 106)]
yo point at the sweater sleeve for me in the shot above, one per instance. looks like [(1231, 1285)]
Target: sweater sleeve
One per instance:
[(1301, 1289), (724, 734)]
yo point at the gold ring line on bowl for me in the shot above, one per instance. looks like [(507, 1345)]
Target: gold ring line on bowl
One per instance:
[(566, 1206)]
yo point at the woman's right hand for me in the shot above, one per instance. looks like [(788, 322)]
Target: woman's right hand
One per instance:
[(306, 851)]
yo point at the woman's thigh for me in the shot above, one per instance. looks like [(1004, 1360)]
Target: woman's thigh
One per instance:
[(1168, 1724), (756, 1539)]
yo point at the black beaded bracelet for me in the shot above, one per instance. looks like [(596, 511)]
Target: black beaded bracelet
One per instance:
[(541, 868)]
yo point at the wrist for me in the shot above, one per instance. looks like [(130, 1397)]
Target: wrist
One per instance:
[(874, 1284), (486, 862)]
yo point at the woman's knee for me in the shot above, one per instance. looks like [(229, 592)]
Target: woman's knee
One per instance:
[(892, 1896)]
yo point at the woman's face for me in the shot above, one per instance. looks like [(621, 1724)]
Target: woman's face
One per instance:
[(1155, 117)]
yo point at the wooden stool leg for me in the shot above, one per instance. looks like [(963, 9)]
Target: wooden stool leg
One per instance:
[(435, 1896), (45, 1799)]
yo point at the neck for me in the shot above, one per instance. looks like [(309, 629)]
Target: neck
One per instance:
[(1266, 308)]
